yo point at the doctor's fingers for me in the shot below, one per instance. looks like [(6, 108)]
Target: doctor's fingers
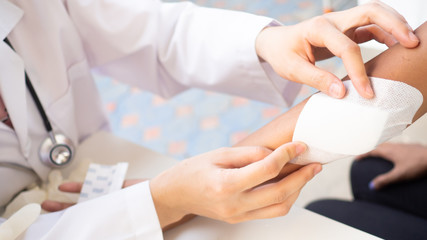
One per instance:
[(367, 33), (325, 34), (272, 211), (379, 14), (71, 187), (238, 157), (278, 192), (305, 72), (76, 187), (288, 169), (268, 168), (54, 206)]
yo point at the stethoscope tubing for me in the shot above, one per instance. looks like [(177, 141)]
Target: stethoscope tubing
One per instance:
[(51, 135), (35, 97)]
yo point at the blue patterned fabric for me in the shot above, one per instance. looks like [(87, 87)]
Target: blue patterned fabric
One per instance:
[(198, 121)]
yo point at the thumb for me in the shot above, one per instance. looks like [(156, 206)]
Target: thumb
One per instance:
[(384, 179), (270, 167)]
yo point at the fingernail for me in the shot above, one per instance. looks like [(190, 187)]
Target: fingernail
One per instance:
[(300, 148), (372, 186), (335, 90), (317, 169), (413, 37), (369, 91)]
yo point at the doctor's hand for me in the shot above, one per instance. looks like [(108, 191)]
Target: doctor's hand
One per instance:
[(293, 50), (231, 184), (76, 187), (410, 162)]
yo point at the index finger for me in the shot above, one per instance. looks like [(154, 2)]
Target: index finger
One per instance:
[(377, 13), (343, 47)]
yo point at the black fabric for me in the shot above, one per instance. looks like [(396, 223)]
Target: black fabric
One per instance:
[(398, 211), (408, 196), (372, 218)]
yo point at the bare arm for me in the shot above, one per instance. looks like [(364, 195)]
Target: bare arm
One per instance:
[(397, 63), (239, 184), (405, 65)]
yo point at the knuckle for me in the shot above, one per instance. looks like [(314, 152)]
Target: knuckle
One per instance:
[(226, 212), (319, 22), (284, 210), (272, 169), (222, 150), (318, 79), (220, 190), (373, 7), (374, 4), (350, 47), (308, 174), (259, 152), (282, 194), (279, 198), (399, 172), (290, 152)]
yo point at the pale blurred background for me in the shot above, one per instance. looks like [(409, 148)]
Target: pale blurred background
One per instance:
[(198, 121)]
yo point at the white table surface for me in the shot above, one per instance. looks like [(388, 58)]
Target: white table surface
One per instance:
[(298, 224)]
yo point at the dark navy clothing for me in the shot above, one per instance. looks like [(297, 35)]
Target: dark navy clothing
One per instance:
[(398, 211)]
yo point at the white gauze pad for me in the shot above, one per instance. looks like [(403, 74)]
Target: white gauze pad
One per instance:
[(338, 128)]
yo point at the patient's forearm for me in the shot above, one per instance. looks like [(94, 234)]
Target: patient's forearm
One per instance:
[(276, 132), (397, 63), (404, 65)]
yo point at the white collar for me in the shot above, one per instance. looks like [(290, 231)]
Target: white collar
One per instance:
[(12, 67), (9, 17)]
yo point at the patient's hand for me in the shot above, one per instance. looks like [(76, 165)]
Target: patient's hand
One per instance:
[(410, 162), (76, 187)]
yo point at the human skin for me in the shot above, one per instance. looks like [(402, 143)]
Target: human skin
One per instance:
[(293, 50), (409, 162), (231, 184), (397, 63)]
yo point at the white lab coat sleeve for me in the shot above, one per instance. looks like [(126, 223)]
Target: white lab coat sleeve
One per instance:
[(168, 47), (125, 214)]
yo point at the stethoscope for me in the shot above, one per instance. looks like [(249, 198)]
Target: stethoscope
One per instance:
[(56, 150)]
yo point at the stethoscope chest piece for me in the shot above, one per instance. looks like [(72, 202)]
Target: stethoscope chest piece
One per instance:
[(56, 150)]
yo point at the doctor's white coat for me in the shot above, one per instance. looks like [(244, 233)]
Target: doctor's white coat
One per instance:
[(164, 48)]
